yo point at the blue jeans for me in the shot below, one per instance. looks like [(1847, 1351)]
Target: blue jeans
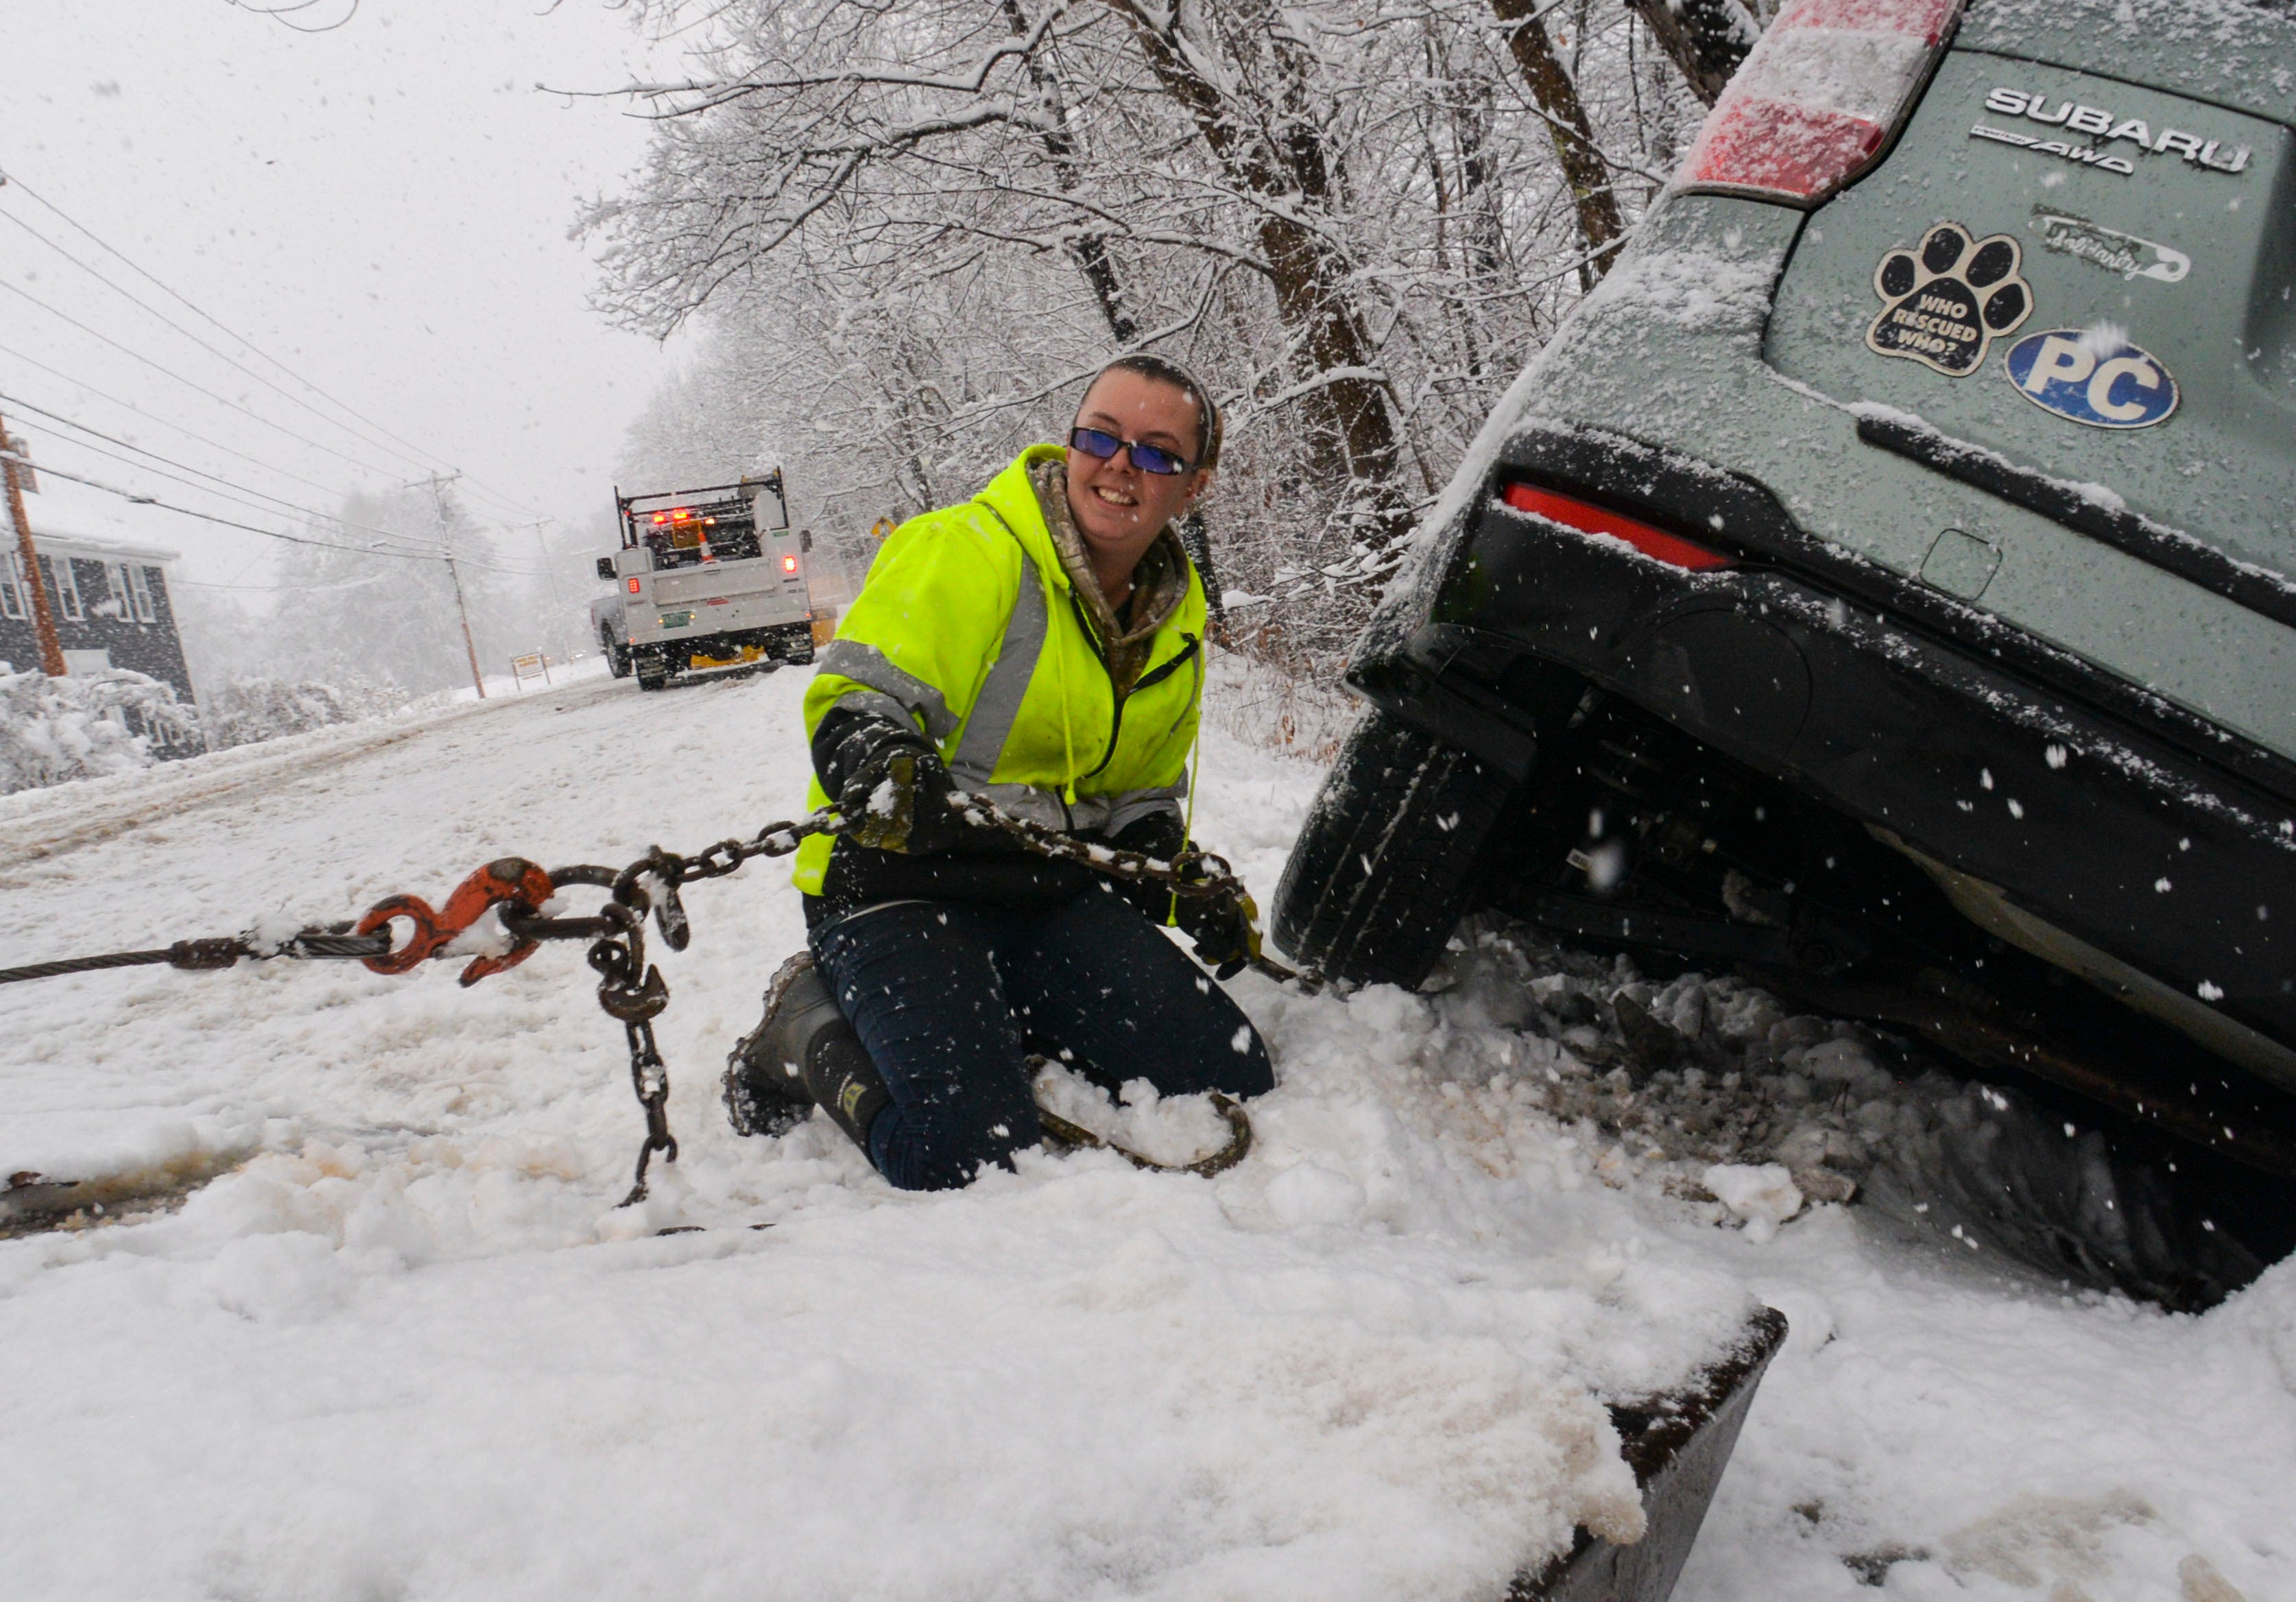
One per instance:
[(943, 993)]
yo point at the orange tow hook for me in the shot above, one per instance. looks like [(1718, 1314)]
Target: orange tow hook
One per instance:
[(505, 879)]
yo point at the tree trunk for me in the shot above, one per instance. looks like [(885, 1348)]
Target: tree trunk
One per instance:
[(1705, 38), (1554, 93), (1353, 436), (1088, 251)]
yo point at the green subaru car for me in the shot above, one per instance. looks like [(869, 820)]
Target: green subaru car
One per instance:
[(1885, 583)]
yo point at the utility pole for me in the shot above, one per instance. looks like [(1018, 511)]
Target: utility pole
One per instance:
[(44, 617), (438, 487)]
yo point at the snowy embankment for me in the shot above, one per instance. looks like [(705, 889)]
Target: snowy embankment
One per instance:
[(401, 1344)]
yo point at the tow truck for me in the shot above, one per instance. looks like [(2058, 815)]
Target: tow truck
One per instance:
[(702, 582)]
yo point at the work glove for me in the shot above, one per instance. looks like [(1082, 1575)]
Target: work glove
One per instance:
[(1226, 933), (901, 803)]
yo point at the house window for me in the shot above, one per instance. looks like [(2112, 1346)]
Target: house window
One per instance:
[(13, 604), (139, 585), (114, 576), (66, 589)]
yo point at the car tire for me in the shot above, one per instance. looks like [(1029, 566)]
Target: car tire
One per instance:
[(1385, 866)]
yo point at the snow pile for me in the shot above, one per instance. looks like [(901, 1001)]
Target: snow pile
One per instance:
[(249, 708), (409, 1348), (54, 729), (1763, 1194), (403, 1346), (1075, 1380), (1366, 1363), (1700, 1072)]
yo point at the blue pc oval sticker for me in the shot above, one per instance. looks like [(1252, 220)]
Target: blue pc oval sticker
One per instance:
[(2103, 382)]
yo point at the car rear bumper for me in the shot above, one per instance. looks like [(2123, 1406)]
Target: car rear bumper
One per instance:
[(2160, 844)]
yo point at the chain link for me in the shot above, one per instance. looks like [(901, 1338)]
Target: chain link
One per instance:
[(633, 991)]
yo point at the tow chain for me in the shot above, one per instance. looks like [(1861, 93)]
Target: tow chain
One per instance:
[(631, 991)]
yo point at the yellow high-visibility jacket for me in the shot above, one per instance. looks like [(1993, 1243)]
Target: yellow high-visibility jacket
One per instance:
[(968, 626)]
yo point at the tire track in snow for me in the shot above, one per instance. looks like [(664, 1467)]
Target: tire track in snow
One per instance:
[(66, 819)]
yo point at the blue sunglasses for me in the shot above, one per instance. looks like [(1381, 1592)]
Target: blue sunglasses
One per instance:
[(1148, 458)]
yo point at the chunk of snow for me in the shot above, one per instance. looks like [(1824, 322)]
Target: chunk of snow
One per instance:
[(1762, 1194), (1309, 1193)]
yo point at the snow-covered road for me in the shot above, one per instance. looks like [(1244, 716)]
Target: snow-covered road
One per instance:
[(403, 1346)]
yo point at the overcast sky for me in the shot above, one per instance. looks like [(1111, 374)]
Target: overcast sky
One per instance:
[(383, 207)]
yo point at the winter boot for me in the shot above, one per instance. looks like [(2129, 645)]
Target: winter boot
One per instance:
[(802, 1053)]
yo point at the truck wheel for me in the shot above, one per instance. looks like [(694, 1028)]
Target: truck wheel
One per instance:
[(617, 659), (1385, 866), (652, 675)]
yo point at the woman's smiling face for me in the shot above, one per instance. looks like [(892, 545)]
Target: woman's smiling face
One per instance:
[(1117, 507)]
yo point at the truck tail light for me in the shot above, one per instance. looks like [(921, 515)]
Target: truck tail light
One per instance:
[(1823, 91), (1588, 518), (636, 586), (788, 564)]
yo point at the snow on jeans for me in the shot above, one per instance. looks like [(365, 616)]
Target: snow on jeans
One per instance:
[(943, 992)]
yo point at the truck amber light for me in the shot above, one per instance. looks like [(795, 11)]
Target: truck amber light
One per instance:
[(788, 564), (635, 585), (1590, 519), (1824, 88)]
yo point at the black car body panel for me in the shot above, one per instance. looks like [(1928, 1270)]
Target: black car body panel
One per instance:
[(2107, 814)]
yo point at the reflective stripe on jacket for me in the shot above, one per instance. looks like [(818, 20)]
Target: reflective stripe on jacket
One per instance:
[(967, 627)]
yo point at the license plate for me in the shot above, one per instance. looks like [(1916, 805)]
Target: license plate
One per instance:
[(675, 619)]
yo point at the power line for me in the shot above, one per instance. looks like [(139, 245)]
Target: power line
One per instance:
[(130, 407), (280, 588), (419, 453), (223, 356), (367, 467), (249, 345), (325, 517), (224, 494), (406, 546), (147, 500), (229, 484)]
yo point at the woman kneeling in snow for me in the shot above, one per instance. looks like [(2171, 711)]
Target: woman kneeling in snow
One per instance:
[(1040, 645)]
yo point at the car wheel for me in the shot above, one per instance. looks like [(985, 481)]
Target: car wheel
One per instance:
[(1385, 865)]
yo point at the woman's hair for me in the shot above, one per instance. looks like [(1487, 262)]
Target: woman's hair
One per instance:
[(1208, 422)]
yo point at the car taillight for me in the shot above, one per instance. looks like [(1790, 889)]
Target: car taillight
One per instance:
[(1590, 519), (1822, 91), (635, 587)]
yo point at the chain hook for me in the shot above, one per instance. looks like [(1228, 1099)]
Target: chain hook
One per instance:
[(513, 880)]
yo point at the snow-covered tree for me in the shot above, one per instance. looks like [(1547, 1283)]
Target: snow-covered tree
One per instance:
[(915, 229)]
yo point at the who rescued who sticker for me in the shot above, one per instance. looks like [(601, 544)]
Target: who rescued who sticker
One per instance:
[(2092, 377), (1944, 300)]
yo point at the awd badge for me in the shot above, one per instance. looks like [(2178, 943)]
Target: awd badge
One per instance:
[(2097, 378), (1943, 303)]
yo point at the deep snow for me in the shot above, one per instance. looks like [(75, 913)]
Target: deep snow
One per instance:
[(404, 1347)]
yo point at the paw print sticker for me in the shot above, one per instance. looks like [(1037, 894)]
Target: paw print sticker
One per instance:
[(1944, 300)]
